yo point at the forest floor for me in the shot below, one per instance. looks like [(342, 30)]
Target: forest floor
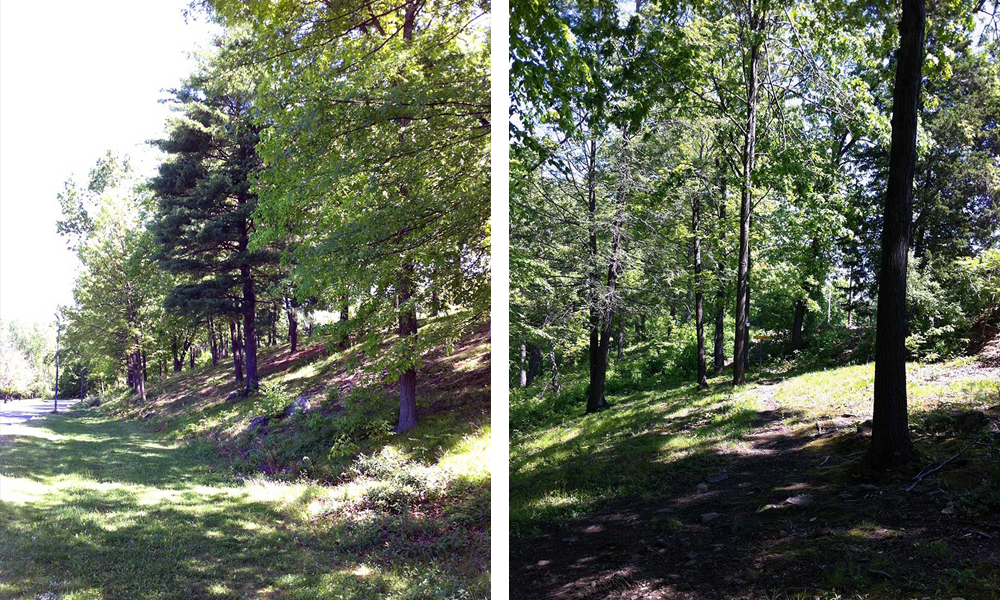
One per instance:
[(171, 504), (759, 492)]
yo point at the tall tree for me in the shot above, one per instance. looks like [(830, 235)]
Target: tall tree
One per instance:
[(205, 207), (891, 443)]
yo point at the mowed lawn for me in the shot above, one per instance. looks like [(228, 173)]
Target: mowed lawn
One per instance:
[(95, 508)]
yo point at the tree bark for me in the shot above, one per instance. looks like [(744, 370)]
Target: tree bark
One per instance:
[(719, 353), (555, 372), (595, 395), (249, 306), (345, 315), (237, 363), (798, 319), (699, 315), (534, 362), (891, 445), (293, 328), (741, 343), (524, 372), (407, 331)]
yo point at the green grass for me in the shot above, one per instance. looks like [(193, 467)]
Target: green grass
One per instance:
[(98, 508), (566, 464), (167, 499)]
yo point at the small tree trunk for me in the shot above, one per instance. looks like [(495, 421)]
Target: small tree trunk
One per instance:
[(345, 315), (699, 315), (237, 363), (799, 318), (174, 351), (524, 372), (407, 332), (293, 328), (534, 362), (891, 445), (555, 372)]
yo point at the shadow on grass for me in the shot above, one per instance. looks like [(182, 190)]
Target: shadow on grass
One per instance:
[(93, 508), (786, 512)]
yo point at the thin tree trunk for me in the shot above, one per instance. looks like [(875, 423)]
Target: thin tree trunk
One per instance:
[(249, 325), (523, 380), (595, 396), (798, 319), (891, 445), (741, 343), (345, 315), (699, 315), (407, 331), (293, 328), (555, 372), (235, 343), (534, 362)]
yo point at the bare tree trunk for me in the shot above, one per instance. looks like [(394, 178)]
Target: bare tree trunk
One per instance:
[(534, 362), (719, 354), (345, 315), (523, 368), (699, 315), (595, 396), (891, 445), (407, 331), (797, 321), (293, 327), (237, 362), (741, 343), (555, 372)]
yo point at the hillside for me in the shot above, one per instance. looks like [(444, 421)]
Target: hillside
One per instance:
[(182, 498)]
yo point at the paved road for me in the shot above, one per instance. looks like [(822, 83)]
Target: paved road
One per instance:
[(19, 411)]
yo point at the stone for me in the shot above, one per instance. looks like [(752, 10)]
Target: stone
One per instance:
[(709, 517), (718, 478), (804, 500), (702, 488), (259, 422), (232, 396), (298, 406)]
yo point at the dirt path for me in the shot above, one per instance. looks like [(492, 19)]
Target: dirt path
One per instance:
[(783, 513)]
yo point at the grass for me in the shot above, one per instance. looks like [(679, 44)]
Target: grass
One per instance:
[(633, 471), (98, 504)]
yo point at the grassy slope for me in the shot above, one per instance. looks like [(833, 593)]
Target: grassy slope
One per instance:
[(655, 445), (96, 506)]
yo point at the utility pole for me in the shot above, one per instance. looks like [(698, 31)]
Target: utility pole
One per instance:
[(55, 388)]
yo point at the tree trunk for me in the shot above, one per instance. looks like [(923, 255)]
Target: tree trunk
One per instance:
[(891, 445), (408, 332), (555, 372), (293, 328), (523, 367), (235, 343), (191, 357), (742, 342), (699, 316), (345, 315), (595, 396), (534, 362), (213, 342), (249, 326), (174, 351), (799, 318), (719, 353)]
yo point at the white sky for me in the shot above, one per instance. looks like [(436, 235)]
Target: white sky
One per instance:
[(76, 79)]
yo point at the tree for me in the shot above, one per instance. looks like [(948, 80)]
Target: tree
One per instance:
[(891, 445), (205, 207), (383, 109)]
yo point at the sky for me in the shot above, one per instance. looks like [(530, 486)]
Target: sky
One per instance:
[(76, 79)]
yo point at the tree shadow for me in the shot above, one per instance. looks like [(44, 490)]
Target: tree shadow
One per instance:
[(786, 513)]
